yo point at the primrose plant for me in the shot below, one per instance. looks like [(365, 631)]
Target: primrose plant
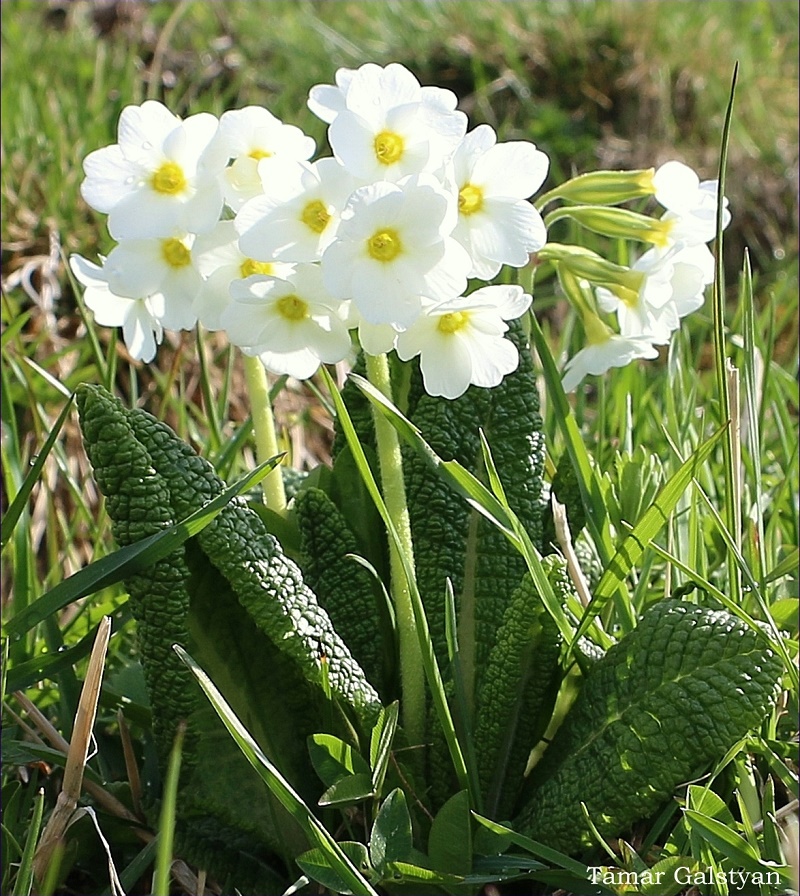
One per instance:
[(407, 650)]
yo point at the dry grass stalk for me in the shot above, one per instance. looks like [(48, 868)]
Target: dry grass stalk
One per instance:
[(76, 755)]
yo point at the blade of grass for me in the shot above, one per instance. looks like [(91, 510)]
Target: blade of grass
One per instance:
[(14, 512), (24, 881), (166, 825), (644, 532), (317, 835), (720, 354)]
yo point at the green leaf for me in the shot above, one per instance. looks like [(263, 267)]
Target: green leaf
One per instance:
[(406, 872), (391, 839), (316, 863), (632, 548), (24, 881), (462, 481), (12, 515), (540, 850), (166, 826), (733, 846), (348, 791), (133, 558), (47, 665), (279, 786), (663, 876), (432, 671), (333, 759), (665, 702), (450, 838), (380, 743)]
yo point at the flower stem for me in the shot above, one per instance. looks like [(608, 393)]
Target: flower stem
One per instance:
[(264, 428), (412, 670)]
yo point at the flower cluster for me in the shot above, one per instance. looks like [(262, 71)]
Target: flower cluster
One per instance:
[(662, 286), (227, 222)]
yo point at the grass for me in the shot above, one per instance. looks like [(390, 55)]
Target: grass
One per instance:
[(595, 84)]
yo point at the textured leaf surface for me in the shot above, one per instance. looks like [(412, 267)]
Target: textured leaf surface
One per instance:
[(518, 691), (450, 541), (662, 704), (345, 589), (237, 601)]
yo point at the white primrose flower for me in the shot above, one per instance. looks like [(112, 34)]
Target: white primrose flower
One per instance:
[(220, 261), (691, 206), (161, 266), (693, 272), (604, 351), (673, 285), (141, 328), (461, 342), (385, 126), (163, 174), (293, 325), (297, 217), (495, 224), (393, 248), (249, 135)]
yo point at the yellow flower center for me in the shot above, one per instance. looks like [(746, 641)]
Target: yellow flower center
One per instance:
[(470, 199), (453, 322), (250, 266), (169, 179), (384, 245), (175, 253), (292, 308), (389, 147), (315, 216), (259, 154)]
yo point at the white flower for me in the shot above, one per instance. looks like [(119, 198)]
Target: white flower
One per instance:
[(691, 206), (220, 261), (385, 126), (141, 327), (673, 286), (298, 215), (607, 351), (393, 248), (495, 224), (460, 342), (162, 175), (249, 135), (693, 272), (163, 267), (293, 325)]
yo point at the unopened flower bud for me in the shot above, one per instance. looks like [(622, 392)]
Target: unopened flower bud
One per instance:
[(606, 187)]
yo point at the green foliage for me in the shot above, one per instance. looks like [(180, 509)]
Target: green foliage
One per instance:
[(345, 588), (452, 542), (671, 697), (518, 690), (235, 599)]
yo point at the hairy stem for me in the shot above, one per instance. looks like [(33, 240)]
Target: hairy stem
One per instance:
[(412, 672), (264, 427)]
